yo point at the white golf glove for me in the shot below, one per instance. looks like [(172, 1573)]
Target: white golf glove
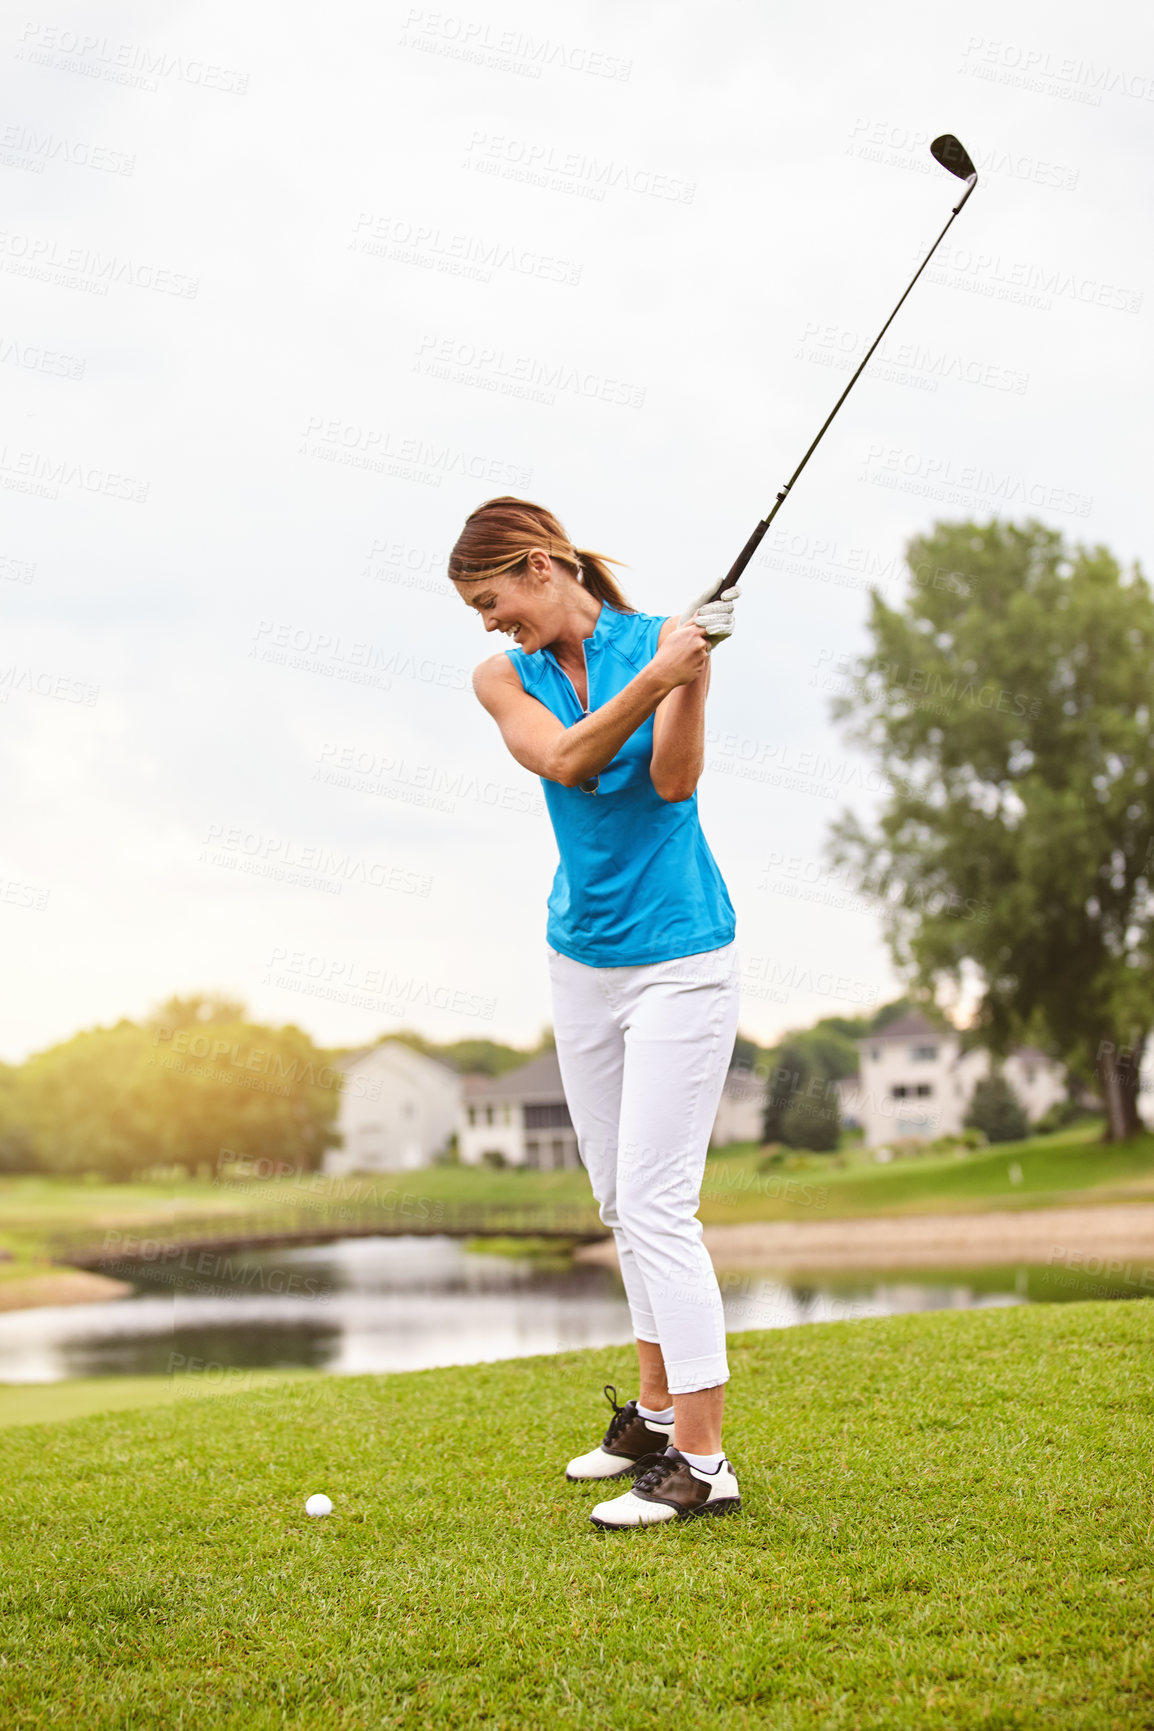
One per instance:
[(714, 617)]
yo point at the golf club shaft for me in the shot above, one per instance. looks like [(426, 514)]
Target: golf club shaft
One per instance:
[(754, 541)]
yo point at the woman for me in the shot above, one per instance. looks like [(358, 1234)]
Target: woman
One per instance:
[(607, 706)]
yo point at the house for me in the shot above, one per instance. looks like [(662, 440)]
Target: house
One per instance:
[(915, 1081), (741, 1110), (849, 1101), (520, 1116), (398, 1110), (523, 1117)]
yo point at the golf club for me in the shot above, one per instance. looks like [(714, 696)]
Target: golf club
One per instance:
[(951, 153)]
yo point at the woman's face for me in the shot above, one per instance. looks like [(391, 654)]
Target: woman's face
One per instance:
[(515, 604)]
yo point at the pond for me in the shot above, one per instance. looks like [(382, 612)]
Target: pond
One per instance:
[(380, 1304)]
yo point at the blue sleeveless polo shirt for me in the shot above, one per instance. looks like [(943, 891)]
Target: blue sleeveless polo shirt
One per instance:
[(636, 881)]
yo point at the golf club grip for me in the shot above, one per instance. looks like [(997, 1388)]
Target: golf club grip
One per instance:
[(742, 560)]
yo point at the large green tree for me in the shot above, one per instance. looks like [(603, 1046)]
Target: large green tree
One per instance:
[(196, 1085), (1008, 702)]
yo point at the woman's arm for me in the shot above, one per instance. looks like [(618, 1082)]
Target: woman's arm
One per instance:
[(679, 734), (571, 755)]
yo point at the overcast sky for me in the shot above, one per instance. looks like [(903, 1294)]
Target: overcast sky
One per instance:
[(289, 291)]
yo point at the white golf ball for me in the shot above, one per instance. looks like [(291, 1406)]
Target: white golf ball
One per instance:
[(319, 1505)]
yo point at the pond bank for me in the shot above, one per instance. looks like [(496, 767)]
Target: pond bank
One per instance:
[(60, 1286), (1058, 1235)]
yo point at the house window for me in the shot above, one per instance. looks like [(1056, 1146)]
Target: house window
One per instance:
[(923, 1054), (923, 1091), (1028, 1073), (553, 1116), (488, 1114), (876, 1054), (472, 1114), (507, 1113), (899, 1090), (532, 1152)]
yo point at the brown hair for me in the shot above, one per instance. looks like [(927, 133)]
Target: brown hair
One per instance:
[(497, 538)]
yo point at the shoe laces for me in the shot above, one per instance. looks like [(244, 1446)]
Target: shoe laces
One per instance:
[(663, 1468), (622, 1417)]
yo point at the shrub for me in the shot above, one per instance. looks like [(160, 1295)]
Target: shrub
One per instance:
[(450, 1154), (959, 1143), (996, 1110), (813, 1123), (1059, 1116)]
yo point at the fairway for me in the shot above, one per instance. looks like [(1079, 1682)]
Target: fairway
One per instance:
[(947, 1523)]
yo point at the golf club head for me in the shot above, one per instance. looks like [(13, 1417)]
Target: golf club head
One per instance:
[(952, 154)]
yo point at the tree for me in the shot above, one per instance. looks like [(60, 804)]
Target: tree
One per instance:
[(16, 1150), (228, 1089), (201, 1010), (746, 1053), (995, 1109), (792, 1070), (813, 1117), (1008, 703), (88, 1104), (187, 1088), (807, 1063), (475, 1056)]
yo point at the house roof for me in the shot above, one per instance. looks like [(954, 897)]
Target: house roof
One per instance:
[(916, 1026), (351, 1058), (401, 1048), (537, 1083), (911, 1027), (742, 1084)]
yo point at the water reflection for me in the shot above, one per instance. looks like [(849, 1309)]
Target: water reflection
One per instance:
[(383, 1304)]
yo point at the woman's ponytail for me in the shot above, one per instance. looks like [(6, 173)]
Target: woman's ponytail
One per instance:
[(596, 576)]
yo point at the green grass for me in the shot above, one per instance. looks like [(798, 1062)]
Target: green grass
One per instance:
[(1054, 1170), (52, 1402), (947, 1524), (1068, 1167)]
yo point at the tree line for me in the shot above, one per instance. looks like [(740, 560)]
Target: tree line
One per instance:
[(192, 1083)]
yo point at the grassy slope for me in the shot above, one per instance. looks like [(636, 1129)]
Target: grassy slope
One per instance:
[(1053, 1171), (947, 1525)]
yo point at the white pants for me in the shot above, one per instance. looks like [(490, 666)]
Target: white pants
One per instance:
[(644, 1053)]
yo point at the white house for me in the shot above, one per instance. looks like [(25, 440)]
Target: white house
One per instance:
[(398, 1110), (521, 1116), (915, 1081), (741, 1110)]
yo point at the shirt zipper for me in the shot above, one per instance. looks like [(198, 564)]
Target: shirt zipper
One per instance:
[(590, 784)]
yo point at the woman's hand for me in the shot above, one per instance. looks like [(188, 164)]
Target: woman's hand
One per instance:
[(714, 617), (682, 655)]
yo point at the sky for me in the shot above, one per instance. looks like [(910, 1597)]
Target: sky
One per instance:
[(288, 292)]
